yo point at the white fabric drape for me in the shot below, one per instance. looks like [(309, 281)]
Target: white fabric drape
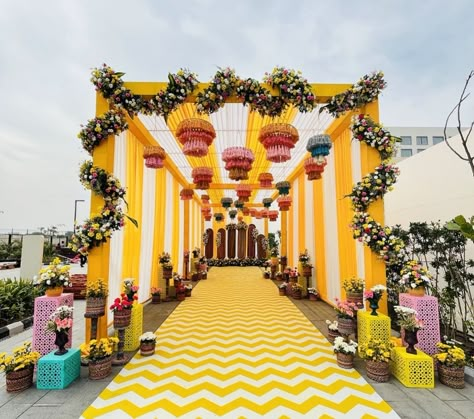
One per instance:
[(296, 202), (169, 213), (308, 224), (357, 176)]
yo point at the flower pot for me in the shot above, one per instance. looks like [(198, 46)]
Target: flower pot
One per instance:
[(296, 294), (19, 380), (122, 318), (282, 291), (156, 299), (180, 296), (313, 297), (345, 326), (345, 360), (187, 293), (374, 305), (333, 334), (411, 339), (451, 376), (378, 371), (147, 348), (95, 306), (356, 298), (417, 292), (54, 292), (60, 341), (100, 368)]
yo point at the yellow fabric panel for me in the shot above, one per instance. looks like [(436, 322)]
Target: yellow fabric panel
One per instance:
[(132, 235), (265, 227), (300, 205), (99, 257), (159, 233), (344, 183), (186, 225), (290, 227), (370, 159), (284, 232), (319, 239), (175, 223)]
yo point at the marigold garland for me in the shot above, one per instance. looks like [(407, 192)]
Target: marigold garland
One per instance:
[(101, 182)]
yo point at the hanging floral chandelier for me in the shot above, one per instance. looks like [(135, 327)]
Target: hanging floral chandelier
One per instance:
[(314, 167), (218, 216), (253, 212), (273, 215), (267, 202), (319, 145), (232, 214), (186, 194), (202, 177), (245, 211), (239, 204), (278, 139), (264, 213), (205, 199), (265, 180), (154, 156), (196, 135), (258, 215), (226, 202), (284, 202), (243, 192), (283, 187), (206, 213), (238, 161)]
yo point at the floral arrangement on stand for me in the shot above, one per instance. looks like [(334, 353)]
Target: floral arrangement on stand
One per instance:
[(165, 260), (376, 350), (96, 289), (346, 313), (23, 357), (407, 318), (304, 258), (373, 296), (450, 355), (414, 275), (130, 289), (366, 90), (155, 292), (55, 275), (60, 320), (98, 349), (274, 252), (236, 262), (313, 294), (147, 344), (345, 351), (364, 129), (354, 285), (121, 303)]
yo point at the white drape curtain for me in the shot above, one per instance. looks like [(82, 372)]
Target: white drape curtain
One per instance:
[(308, 223), (356, 176), (296, 202), (169, 213)]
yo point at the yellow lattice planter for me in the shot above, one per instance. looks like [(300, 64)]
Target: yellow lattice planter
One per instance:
[(375, 327), (412, 370), (135, 330)]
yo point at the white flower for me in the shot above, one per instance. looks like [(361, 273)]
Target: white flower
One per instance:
[(48, 282), (148, 337)]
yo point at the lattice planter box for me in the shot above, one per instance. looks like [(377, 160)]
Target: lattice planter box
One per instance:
[(43, 342), (57, 372), (412, 370), (135, 330), (427, 309), (375, 327)]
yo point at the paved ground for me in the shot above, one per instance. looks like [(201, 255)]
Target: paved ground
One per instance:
[(440, 402)]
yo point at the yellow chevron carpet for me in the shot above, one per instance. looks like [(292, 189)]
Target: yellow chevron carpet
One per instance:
[(236, 349)]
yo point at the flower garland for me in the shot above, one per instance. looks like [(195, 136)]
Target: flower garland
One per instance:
[(111, 123), (241, 225), (366, 90), (374, 135), (258, 98), (101, 182), (205, 238), (220, 89), (255, 234), (373, 186), (218, 239)]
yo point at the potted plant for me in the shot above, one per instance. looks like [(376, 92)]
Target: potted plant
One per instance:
[(345, 352), (274, 255), (130, 290), (313, 294), (282, 288), (99, 355), (296, 290), (415, 278), (377, 355), (451, 361), (53, 278), (354, 288), (19, 367), (346, 313), (155, 295), (180, 292), (373, 296), (333, 331), (147, 344), (96, 295), (188, 288), (165, 261), (60, 322), (122, 309), (304, 259), (410, 324)]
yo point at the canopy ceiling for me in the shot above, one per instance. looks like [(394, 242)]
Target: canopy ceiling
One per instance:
[(235, 126)]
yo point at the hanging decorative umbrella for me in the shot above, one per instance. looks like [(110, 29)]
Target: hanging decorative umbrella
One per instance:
[(314, 167), (264, 213), (273, 215), (218, 216), (319, 145), (232, 214), (239, 204), (267, 202), (253, 212), (283, 187), (258, 215), (196, 135), (226, 202), (243, 192), (206, 213), (265, 180), (202, 177), (154, 156), (238, 161), (186, 194), (245, 211), (205, 199), (284, 202), (278, 139)]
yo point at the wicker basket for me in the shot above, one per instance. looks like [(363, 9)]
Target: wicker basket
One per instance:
[(345, 326), (156, 299), (122, 318), (345, 360), (296, 294), (147, 348), (378, 371), (19, 380), (95, 306), (180, 296), (333, 334), (100, 369), (167, 273), (451, 376), (282, 291), (356, 298)]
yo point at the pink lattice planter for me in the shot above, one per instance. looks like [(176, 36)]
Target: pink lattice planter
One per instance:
[(427, 309), (43, 341)]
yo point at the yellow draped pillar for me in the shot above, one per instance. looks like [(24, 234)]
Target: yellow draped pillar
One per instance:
[(301, 213), (175, 223), (319, 238), (284, 232), (159, 231)]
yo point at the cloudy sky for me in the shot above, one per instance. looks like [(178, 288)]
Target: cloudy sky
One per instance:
[(48, 48)]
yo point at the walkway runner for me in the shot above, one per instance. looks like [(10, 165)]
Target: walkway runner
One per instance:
[(236, 349)]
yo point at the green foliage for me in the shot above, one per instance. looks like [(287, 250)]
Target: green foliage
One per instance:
[(465, 227), (17, 298), (272, 241), (10, 251)]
